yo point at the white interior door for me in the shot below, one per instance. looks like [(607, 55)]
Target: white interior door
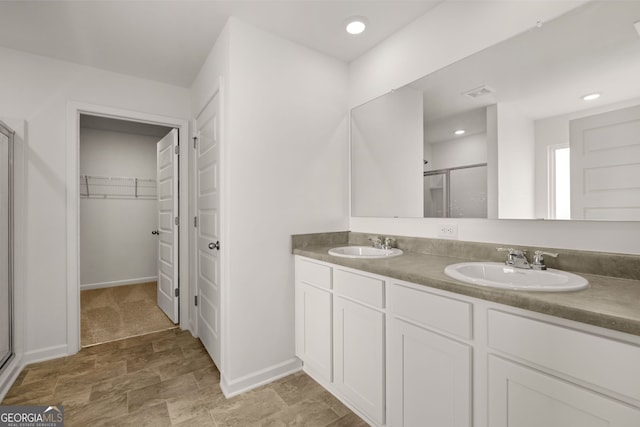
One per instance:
[(605, 166), (208, 228), (167, 177)]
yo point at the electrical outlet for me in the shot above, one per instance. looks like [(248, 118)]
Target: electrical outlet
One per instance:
[(449, 231)]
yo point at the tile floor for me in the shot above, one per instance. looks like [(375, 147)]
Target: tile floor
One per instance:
[(109, 314), (168, 379)]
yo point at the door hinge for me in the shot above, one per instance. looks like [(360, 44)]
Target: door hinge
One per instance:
[(195, 142), (177, 220), (177, 292), (195, 221), (177, 149), (195, 300)]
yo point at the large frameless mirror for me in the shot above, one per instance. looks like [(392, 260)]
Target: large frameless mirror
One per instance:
[(511, 131)]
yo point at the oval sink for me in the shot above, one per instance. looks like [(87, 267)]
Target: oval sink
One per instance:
[(364, 252), (499, 275)]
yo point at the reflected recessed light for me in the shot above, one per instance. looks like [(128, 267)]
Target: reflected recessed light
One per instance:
[(591, 96), (356, 25), (459, 132)]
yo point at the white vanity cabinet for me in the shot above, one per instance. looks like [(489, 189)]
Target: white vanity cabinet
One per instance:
[(313, 326), (403, 355), (359, 341), (340, 333), (429, 364), (541, 374)]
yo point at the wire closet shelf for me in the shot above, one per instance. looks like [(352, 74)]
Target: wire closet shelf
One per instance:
[(117, 187)]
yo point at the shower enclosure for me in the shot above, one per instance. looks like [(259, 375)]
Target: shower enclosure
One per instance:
[(459, 192), (6, 245)]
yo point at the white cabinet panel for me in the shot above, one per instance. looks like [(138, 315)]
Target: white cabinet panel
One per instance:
[(431, 310), (313, 329), (364, 288), (588, 357), (429, 379), (523, 397), (359, 357), (313, 273)]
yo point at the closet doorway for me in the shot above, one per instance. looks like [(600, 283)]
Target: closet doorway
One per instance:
[(128, 237)]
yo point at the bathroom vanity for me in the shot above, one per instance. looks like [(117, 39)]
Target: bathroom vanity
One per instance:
[(404, 345)]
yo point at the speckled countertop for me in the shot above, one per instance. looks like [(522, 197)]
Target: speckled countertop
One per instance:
[(609, 302)]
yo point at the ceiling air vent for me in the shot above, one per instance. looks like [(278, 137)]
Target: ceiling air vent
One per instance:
[(479, 91)]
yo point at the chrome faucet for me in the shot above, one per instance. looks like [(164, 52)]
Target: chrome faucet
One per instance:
[(538, 259), (382, 242), (516, 258)]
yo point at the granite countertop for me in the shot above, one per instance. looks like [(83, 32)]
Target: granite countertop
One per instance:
[(609, 302)]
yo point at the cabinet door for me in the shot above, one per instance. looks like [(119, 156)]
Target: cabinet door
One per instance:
[(359, 357), (313, 330), (429, 378), (523, 397)]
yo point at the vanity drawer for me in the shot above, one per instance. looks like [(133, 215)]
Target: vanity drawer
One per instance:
[(587, 357), (432, 311), (366, 289), (313, 273)]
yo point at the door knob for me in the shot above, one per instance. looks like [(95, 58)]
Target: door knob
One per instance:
[(156, 232), (215, 245)]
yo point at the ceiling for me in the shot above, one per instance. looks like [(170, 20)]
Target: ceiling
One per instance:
[(545, 71), (168, 40)]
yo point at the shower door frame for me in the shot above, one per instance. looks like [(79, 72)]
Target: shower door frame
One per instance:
[(9, 133)]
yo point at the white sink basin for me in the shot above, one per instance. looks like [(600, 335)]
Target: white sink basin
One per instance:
[(364, 252), (499, 275)]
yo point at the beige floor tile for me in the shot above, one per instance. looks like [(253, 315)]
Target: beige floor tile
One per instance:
[(124, 383), (248, 408), (349, 420), (153, 416), (163, 379), (194, 404), (306, 413), (158, 393)]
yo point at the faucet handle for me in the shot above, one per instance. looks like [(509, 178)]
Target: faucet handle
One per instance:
[(388, 242), (375, 240), (538, 259), (512, 251), (551, 254)]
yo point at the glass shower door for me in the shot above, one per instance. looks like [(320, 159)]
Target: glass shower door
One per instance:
[(6, 204)]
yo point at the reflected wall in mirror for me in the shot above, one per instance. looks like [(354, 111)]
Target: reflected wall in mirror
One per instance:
[(532, 146)]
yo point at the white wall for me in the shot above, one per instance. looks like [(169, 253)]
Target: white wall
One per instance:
[(516, 188), (38, 89), (116, 244), (285, 151), (452, 31), (463, 151), (386, 155)]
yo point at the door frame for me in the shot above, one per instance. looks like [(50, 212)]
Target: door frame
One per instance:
[(74, 109)]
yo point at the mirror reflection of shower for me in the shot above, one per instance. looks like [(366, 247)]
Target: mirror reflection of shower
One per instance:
[(459, 192)]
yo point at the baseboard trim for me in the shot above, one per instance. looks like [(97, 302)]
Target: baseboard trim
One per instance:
[(10, 375), (259, 378), (115, 283), (43, 354), (20, 361)]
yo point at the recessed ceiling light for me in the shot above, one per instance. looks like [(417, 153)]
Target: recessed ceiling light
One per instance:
[(591, 96), (356, 25), (459, 132)]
